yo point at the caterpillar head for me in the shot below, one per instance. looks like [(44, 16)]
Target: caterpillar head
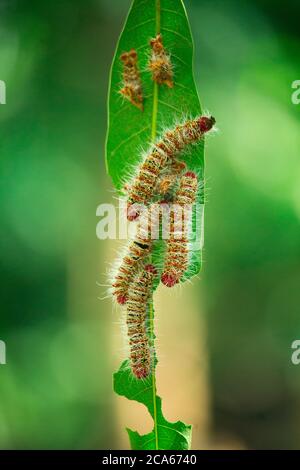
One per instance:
[(169, 279), (156, 44), (121, 299), (129, 58), (206, 123), (190, 174)]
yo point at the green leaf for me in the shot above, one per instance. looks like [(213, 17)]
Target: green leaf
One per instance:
[(129, 129), (129, 132), (165, 435)]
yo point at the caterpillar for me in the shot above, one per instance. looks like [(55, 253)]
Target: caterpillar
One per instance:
[(161, 154), (160, 63), (138, 296), (176, 261), (166, 182), (138, 249), (132, 87)]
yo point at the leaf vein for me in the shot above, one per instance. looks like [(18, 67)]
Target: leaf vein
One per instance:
[(184, 87), (180, 60), (177, 34), (142, 3), (167, 10), (168, 428), (141, 392), (169, 106), (121, 110), (151, 20), (125, 141)]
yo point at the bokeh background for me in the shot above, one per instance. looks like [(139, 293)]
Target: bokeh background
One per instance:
[(225, 341)]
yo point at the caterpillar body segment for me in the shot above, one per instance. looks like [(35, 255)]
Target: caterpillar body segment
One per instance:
[(132, 86), (162, 154), (137, 304), (160, 63), (166, 182), (130, 265), (139, 248), (142, 189), (187, 191), (176, 261)]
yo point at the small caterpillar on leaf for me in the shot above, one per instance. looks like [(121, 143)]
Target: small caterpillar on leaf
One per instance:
[(176, 261), (161, 154), (138, 249), (132, 86), (160, 63), (137, 303)]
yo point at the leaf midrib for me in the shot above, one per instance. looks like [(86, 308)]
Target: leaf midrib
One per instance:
[(151, 310), (175, 431)]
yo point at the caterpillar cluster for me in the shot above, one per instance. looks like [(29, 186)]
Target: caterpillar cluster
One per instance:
[(159, 65), (161, 178)]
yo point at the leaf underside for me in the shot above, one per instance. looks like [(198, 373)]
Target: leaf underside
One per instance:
[(130, 132)]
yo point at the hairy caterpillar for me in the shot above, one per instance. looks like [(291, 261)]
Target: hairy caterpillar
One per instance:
[(132, 87), (138, 249), (161, 154), (176, 261), (138, 296), (160, 63), (166, 182)]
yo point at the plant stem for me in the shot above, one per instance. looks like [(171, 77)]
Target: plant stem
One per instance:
[(152, 339), (151, 309)]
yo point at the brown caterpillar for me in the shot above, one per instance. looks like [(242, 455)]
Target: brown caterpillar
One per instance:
[(162, 153), (176, 261), (138, 249), (166, 182), (132, 86), (138, 296), (160, 63)]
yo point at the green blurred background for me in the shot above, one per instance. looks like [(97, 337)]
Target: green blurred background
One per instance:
[(62, 341)]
